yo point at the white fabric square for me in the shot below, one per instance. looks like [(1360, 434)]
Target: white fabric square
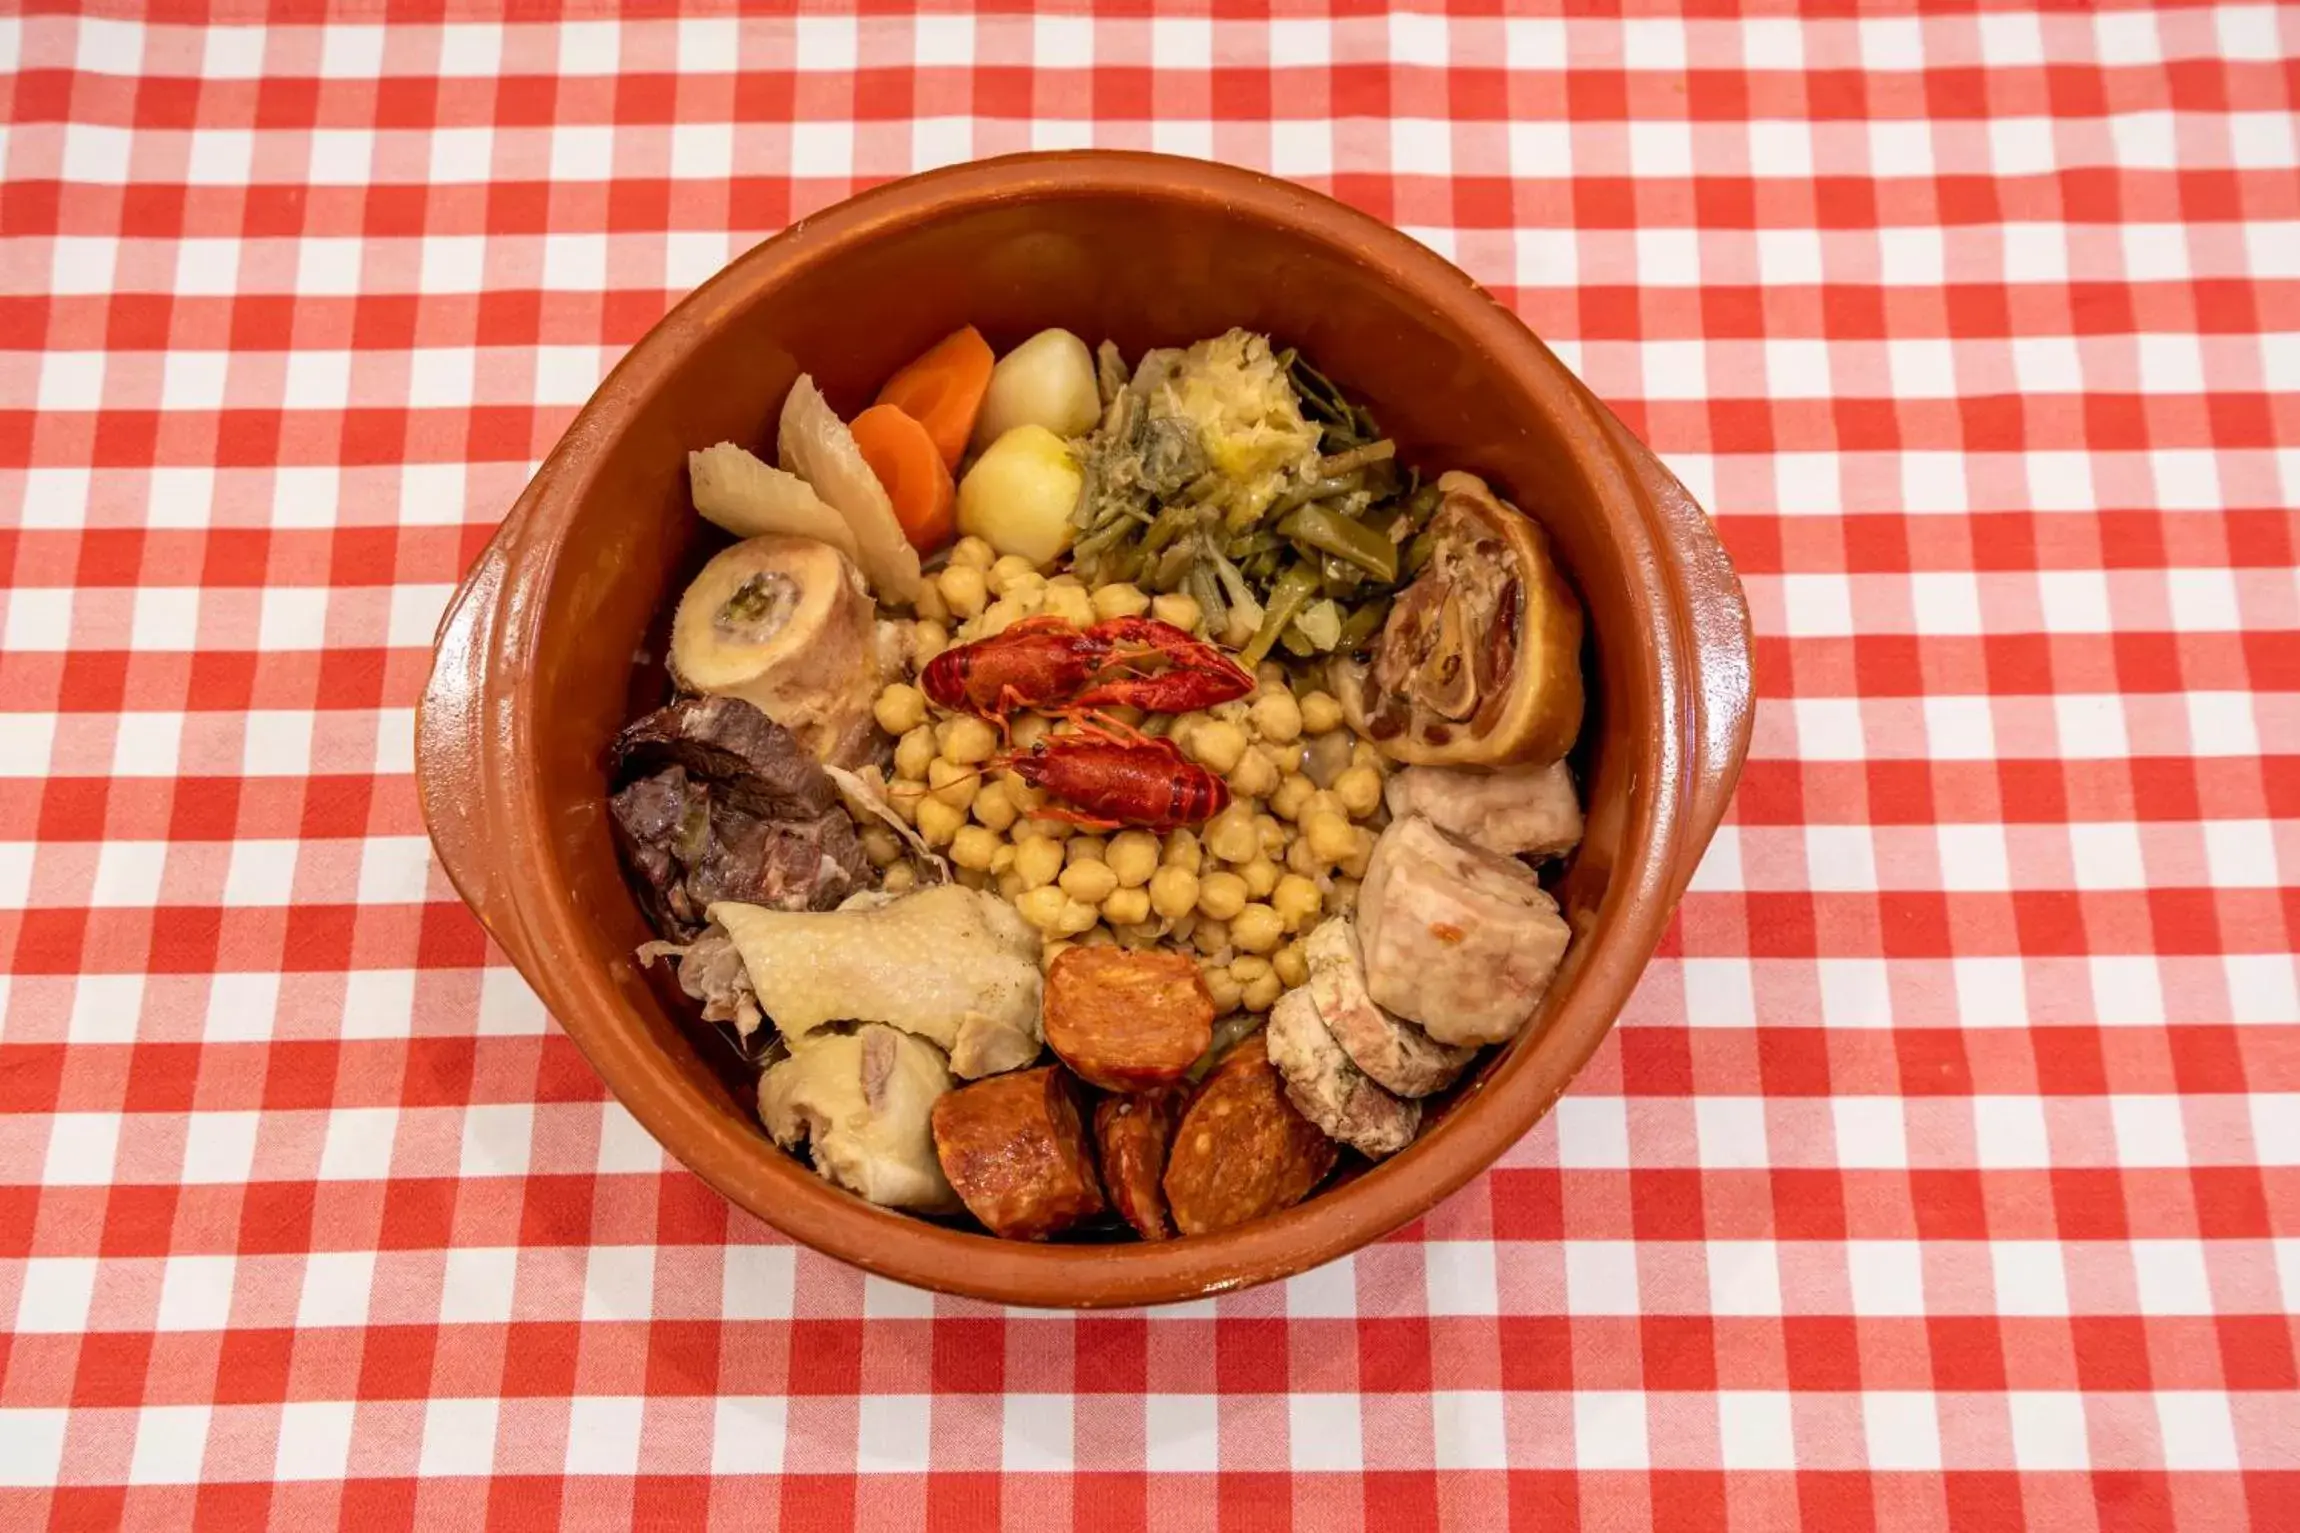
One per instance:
[(128, 874), (353, 52), (1744, 1277), (292, 618), (2221, 724), (336, 1289), (394, 870), (328, 268), (1855, 992), (261, 872), (1718, 993), (1469, 1429), (2021, 146), (1299, 43), (2048, 1431), (1609, 1430), (574, 263), (1946, 601), (2203, 600), (55, 1295), (593, 47), (2197, 1429), (304, 497), (2047, 364), (1902, 1428), (1871, 1135), (277, 742), (2074, 601), (892, 1434), (822, 149), (314, 1440), (508, 1005), (619, 1283), (478, 1283), (241, 1007), (623, 1144), (96, 155), (1991, 992), (54, 497), (1922, 369), (207, 268), (450, 263), (2127, 990), (2009, 1133), (2170, 1277), (171, 1440), (1829, 728), (1328, 1291), (756, 1282), (1460, 1278), (2107, 856), (747, 1434), (105, 1008), (458, 1437), (378, 1003), (886, 1299), (1325, 1432), (1592, 1131), (31, 1445), (2091, 726), (358, 1144), (1036, 1433), (165, 618), (603, 1434), (497, 1137), (1730, 1133), (1601, 1277), (2276, 1127), (1974, 858), (2149, 1131), (1755, 1430), (1887, 1277), (470, 50), (1181, 1434), (1840, 858), (220, 1147), (193, 380), (2030, 1279), (1797, 369), (2241, 854), (582, 153), (195, 1293), (1817, 606), (1959, 728), (70, 380), (81, 1149)]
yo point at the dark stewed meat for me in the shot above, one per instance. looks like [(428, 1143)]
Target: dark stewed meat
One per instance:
[(719, 802)]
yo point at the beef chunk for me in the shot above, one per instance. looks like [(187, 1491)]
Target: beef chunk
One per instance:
[(719, 802)]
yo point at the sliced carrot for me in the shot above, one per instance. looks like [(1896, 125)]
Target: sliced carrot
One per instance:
[(910, 467), (943, 390)]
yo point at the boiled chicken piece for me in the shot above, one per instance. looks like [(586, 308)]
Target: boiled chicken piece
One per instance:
[(1517, 811), (956, 966), (1461, 940), (860, 1103), (1345, 1103), (1395, 1053)]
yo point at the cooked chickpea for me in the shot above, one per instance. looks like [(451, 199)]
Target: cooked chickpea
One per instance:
[(928, 638), (1322, 802), (1089, 883), (1133, 856), (1182, 726), (1262, 994), (1003, 858), (928, 606), (1028, 729), (994, 807), (1321, 713), (1254, 775), (1291, 965), (880, 845), (1216, 745), (1079, 918), (1287, 798), (1360, 855), (938, 821), (1299, 859), (913, 752), (1231, 836), (1221, 896), (900, 708), (1363, 754), (1211, 937), (1249, 968), (1070, 604), (899, 878), (1331, 837), (972, 878), (1006, 569), (1173, 891), (1010, 884), (1360, 791), (1053, 949), (963, 590), (1004, 613), (973, 551), (1297, 901), (1238, 627), (1083, 848), (1183, 851), (971, 741), (1042, 907), (1226, 991), (952, 784), (1257, 929), (974, 847), (1126, 907), (1120, 600), (1051, 829), (1261, 876), (1038, 861), (1272, 833), (1177, 608), (1277, 717)]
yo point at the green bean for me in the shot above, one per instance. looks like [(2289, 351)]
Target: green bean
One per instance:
[(1293, 592), (1318, 528), (1316, 489), (1357, 458), (1359, 628)]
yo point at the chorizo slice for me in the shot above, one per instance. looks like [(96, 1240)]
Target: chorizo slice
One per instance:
[(1330, 1091), (1015, 1152), (1133, 1133), (1127, 1020), (1242, 1150)]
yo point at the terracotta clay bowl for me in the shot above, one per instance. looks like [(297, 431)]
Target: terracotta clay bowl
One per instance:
[(538, 664)]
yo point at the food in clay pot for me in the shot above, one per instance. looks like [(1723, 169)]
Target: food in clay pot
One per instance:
[(1480, 661), (1105, 872)]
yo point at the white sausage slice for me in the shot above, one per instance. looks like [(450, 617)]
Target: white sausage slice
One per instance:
[(1398, 1055), (1330, 1091)]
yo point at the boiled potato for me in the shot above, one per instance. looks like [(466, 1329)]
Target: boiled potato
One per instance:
[(1046, 381), (1019, 495)]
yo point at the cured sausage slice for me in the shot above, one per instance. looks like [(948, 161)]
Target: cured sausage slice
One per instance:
[(1133, 1132), (1127, 1021), (1333, 1093), (1242, 1150), (1015, 1152)]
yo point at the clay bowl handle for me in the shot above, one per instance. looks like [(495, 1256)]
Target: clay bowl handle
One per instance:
[(453, 763), (1722, 650)]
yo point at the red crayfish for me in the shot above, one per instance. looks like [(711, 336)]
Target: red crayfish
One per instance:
[(1119, 778), (1048, 663)]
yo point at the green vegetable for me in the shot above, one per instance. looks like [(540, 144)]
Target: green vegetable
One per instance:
[(1359, 628), (1294, 591), (1320, 623), (1318, 528)]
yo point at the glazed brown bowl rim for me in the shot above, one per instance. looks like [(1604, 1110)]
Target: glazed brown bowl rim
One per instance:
[(531, 912)]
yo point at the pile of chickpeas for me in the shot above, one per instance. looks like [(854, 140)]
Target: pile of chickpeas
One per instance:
[(1242, 890)]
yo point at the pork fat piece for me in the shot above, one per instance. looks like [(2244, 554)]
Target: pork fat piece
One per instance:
[(861, 1102), (1518, 811)]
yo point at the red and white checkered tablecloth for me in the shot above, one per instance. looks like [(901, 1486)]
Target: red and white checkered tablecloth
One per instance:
[(1943, 1174)]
